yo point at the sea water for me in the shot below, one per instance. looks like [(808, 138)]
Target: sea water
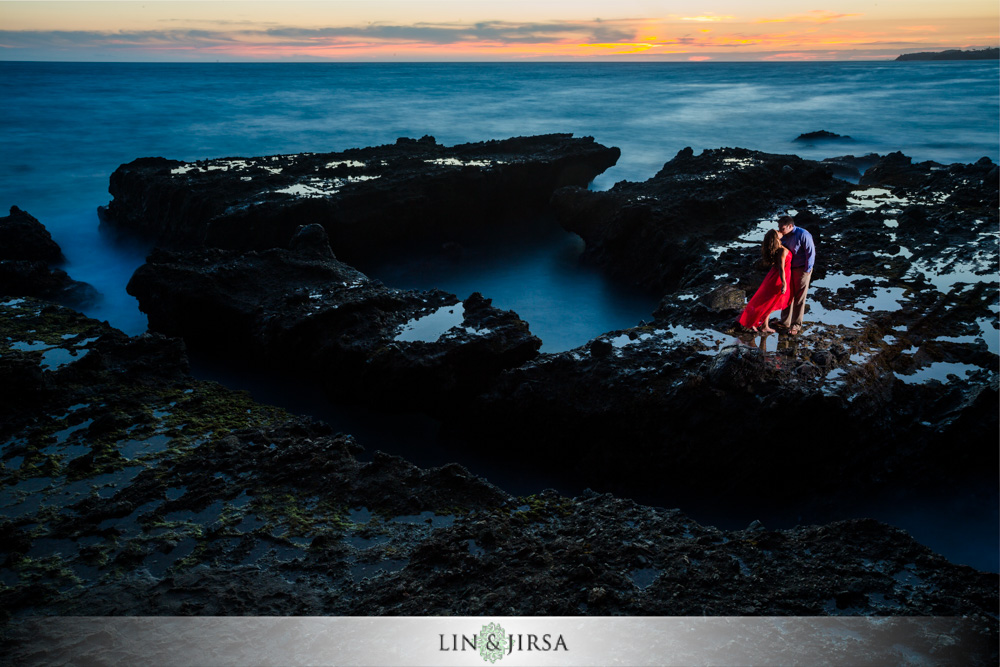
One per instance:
[(67, 126)]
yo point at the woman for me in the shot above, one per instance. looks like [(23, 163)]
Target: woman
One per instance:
[(773, 293)]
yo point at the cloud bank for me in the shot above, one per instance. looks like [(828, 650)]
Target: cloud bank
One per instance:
[(815, 34)]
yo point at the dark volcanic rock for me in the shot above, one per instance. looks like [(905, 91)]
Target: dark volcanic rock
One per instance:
[(367, 199), (657, 233), (898, 359), (822, 135), (972, 187), (26, 254), (308, 313), (870, 377), (37, 279), (23, 237), (697, 411), (133, 489), (849, 167)]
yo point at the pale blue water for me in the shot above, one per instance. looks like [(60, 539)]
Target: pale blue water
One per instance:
[(64, 127), (67, 126)]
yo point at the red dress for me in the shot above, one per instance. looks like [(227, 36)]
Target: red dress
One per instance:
[(769, 297)]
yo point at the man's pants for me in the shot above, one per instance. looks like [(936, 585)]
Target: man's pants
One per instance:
[(792, 315)]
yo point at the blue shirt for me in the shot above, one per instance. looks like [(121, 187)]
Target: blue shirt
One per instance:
[(800, 242)]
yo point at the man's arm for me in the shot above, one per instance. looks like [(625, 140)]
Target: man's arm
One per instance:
[(810, 249)]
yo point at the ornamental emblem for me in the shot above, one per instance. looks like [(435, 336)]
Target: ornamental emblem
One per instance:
[(492, 642)]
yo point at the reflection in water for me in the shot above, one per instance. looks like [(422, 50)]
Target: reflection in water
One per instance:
[(431, 327)]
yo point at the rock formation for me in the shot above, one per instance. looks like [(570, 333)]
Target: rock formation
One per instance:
[(898, 361), (304, 311), (133, 489), (368, 200), (27, 253), (658, 233), (822, 135)]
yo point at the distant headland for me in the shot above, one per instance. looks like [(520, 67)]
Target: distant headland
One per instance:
[(991, 53)]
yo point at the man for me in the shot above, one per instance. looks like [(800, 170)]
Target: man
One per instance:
[(800, 242)]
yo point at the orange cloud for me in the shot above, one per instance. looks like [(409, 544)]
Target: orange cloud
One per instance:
[(817, 35), (815, 16), (795, 55), (705, 19), (622, 49)]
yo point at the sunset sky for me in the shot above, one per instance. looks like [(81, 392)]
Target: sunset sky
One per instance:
[(467, 30)]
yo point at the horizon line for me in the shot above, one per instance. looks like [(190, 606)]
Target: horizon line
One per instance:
[(484, 62)]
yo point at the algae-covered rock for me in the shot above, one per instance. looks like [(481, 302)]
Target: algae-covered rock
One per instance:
[(130, 488)]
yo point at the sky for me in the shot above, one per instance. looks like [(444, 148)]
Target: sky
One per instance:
[(471, 30)]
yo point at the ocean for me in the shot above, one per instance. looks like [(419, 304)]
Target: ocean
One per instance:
[(67, 126)]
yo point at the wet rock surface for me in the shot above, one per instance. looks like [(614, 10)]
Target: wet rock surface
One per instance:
[(706, 412), (130, 488), (368, 199), (127, 487), (898, 360), (305, 312), (658, 233), (27, 253)]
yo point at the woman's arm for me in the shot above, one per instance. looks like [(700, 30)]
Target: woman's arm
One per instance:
[(784, 280)]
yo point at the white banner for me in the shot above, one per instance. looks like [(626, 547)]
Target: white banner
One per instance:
[(500, 641)]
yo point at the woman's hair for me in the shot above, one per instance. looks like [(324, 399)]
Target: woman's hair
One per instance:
[(770, 250)]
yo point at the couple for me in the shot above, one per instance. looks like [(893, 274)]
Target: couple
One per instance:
[(791, 254)]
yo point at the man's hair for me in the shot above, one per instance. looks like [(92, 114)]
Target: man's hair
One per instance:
[(786, 220)]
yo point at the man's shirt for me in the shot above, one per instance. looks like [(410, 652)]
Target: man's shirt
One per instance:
[(800, 242)]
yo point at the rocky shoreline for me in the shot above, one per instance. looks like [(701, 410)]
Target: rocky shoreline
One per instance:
[(131, 488), (896, 365), (189, 498)]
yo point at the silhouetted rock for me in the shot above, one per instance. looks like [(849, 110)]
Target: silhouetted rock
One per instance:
[(27, 252), (657, 233), (989, 53), (367, 199), (304, 311), (27, 278), (849, 167), (822, 135), (22, 237)]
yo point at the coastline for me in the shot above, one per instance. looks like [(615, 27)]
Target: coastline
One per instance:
[(900, 356)]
